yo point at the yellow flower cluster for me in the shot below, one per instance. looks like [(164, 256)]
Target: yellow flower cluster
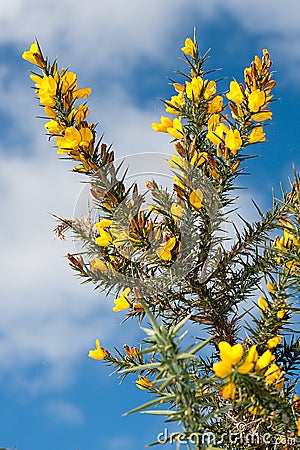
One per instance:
[(277, 305), (196, 91), (137, 231), (288, 244), (247, 103), (197, 100), (254, 98), (57, 93), (234, 361)]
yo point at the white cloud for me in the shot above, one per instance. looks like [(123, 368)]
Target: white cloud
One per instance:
[(46, 316), (110, 37), (99, 34), (124, 442), (64, 413)]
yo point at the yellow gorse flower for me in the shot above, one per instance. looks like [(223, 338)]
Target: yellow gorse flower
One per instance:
[(274, 342), (262, 116), (74, 139), (231, 359), (262, 303), (233, 141), (176, 103), (80, 113), (194, 88), (104, 238), (33, 55), (228, 391), (196, 199), (264, 360), (176, 129), (230, 356), (250, 361), (199, 158), (54, 127), (165, 123), (99, 352), (123, 302), (176, 212), (232, 138), (68, 81), (143, 383), (210, 89), (273, 373), (284, 309), (98, 264), (257, 410), (164, 250), (257, 135), (177, 162), (256, 100), (271, 287), (235, 94), (189, 47), (46, 87), (215, 105)]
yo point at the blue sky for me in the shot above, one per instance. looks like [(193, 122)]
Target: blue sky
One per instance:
[(52, 396)]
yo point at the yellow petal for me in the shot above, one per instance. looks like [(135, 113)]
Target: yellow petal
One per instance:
[(256, 410), (165, 123), (235, 94), (271, 287), (81, 93), (262, 303), (170, 244), (189, 47), (272, 374), (261, 116), (143, 383), (99, 353), (273, 342), (231, 354), (33, 55), (252, 355), (265, 359), (256, 100), (228, 391), (176, 161), (121, 303), (246, 367), (257, 135), (215, 105), (222, 369), (176, 211), (104, 239), (176, 129), (104, 223), (98, 264), (196, 198)]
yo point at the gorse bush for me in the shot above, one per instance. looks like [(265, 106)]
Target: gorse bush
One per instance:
[(171, 261)]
